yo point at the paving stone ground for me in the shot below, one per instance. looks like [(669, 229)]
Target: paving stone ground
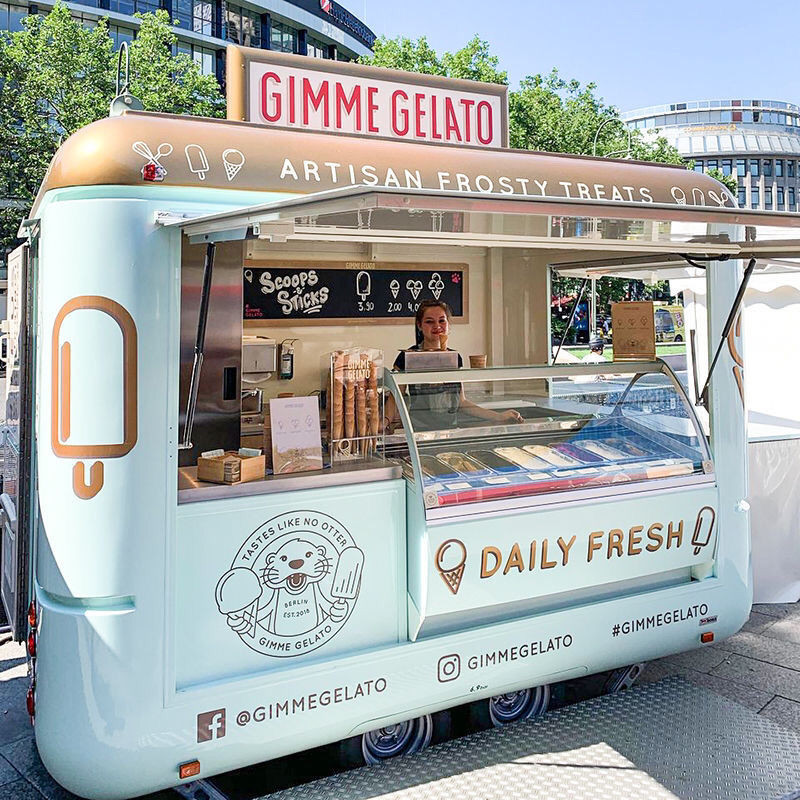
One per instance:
[(758, 668)]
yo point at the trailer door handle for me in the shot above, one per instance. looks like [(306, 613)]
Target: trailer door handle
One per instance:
[(230, 384)]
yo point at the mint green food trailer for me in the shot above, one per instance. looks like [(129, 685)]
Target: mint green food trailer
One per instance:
[(180, 628)]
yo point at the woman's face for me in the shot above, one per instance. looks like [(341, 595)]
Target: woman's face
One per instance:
[(434, 324)]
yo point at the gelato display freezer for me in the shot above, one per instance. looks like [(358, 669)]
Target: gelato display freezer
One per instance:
[(607, 486)]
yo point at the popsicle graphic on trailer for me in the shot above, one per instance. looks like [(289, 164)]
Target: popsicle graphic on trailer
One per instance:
[(94, 397), (703, 528), (196, 159)]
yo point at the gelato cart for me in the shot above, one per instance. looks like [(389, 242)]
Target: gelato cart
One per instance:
[(179, 628)]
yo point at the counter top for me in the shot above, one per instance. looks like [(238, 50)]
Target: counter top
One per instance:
[(191, 490)]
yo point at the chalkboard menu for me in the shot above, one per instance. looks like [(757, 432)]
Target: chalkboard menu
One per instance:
[(349, 290)]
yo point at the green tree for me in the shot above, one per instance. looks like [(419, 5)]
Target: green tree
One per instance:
[(472, 62), (57, 76), (546, 113), (172, 84), (406, 54), (561, 116), (728, 181)]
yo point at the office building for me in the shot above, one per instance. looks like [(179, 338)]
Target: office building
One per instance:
[(317, 28), (758, 141)]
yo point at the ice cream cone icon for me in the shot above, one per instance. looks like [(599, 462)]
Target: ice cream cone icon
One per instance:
[(233, 160), (238, 593), (451, 558)]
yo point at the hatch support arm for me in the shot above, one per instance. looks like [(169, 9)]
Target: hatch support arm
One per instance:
[(571, 319), (199, 346), (702, 400)]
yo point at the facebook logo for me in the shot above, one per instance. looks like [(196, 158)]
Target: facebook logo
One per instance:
[(211, 725)]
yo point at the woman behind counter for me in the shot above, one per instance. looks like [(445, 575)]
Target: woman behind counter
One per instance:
[(435, 406)]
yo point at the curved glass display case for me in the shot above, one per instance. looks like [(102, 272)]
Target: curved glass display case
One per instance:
[(483, 439)]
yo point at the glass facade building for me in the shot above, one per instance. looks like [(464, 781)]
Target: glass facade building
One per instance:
[(204, 27), (758, 141)]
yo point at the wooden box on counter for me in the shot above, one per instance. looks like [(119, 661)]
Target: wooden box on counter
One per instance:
[(231, 467)]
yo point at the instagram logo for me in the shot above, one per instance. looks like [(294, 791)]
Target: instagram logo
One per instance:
[(211, 725), (449, 668)]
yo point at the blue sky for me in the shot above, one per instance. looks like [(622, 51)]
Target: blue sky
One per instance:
[(638, 52)]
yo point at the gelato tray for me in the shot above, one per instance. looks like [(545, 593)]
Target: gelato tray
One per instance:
[(578, 453), (602, 449), (434, 468), (461, 462), (551, 456), (493, 461), (628, 448), (519, 456)]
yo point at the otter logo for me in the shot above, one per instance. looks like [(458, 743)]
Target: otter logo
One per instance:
[(293, 584)]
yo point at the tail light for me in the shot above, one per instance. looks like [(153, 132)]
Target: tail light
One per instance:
[(30, 702), (32, 615), (32, 644)]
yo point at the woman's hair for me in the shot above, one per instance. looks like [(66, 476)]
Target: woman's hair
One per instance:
[(423, 307)]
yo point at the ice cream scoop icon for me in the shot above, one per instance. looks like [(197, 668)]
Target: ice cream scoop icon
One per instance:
[(451, 558), (415, 287), (703, 528), (233, 160), (237, 595), (436, 285)]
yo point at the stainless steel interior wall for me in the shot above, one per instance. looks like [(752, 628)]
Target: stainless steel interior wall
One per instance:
[(217, 419)]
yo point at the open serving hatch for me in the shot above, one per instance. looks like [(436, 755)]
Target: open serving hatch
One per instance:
[(413, 216)]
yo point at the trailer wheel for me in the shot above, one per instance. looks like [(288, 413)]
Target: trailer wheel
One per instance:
[(503, 709), (623, 678), (359, 750), (400, 739)]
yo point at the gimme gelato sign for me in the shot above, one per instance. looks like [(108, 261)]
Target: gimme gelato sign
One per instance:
[(285, 91)]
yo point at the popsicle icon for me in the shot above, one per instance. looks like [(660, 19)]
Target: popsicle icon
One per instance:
[(346, 580), (93, 357), (196, 158), (703, 528), (238, 593), (451, 558), (363, 285), (233, 160)]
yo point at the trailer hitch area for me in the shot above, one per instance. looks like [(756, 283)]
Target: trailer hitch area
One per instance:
[(623, 678), (200, 790)]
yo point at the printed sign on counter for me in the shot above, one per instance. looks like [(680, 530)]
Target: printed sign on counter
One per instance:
[(350, 290), (633, 331), (296, 440)]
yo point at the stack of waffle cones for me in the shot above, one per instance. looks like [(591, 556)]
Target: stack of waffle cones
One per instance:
[(353, 406)]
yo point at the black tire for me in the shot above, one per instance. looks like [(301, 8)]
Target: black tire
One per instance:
[(678, 339), (352, 752), (494, 712)]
